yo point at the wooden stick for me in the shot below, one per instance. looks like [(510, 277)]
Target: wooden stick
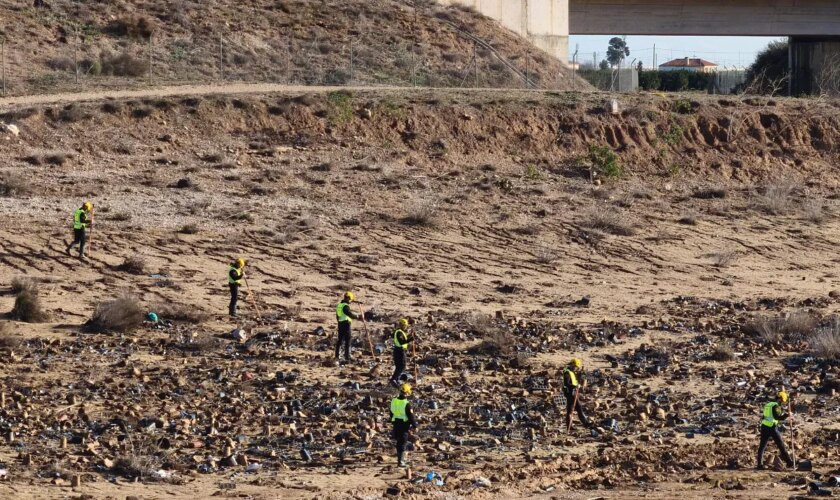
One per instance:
[(253, 298), (572, 414), (90, 235), (367, 333)]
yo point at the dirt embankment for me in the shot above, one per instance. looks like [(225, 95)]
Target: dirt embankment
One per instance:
[(380, 42)]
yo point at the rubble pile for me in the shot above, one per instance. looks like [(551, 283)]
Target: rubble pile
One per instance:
[(171, 401)]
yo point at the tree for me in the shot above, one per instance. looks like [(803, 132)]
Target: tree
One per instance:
[(604, 65), (617, 51), (640, 67), (769, 72)]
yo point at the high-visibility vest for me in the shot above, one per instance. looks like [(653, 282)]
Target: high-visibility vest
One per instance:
[(769, 419), (572, 376), (339, 313), (398, 407), (397, 334), (77, 219), (238, 274)]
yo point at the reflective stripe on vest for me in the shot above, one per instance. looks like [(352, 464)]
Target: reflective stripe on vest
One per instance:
[(398, 409), (572, 376), (769, 419), (397, 334), (339, 314), (77, 219), (238, 273)]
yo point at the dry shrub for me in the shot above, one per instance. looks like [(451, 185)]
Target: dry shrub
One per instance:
[(609, 221), (123, 64), (497, 342), (421, 211), (57, 158), (814, 211), (689, 219), (134, 264), (722, 352), (723, 258), (131, 27), (21, 283), (8, 340), (545, 254), (181, 312), (825, 342), (28, 305), (189, 229), (791, 327), (776, 198), (710, 193), (122, 315), (13, 184)]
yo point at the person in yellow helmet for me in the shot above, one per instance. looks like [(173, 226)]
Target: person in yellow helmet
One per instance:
[(345, 318), (236, 273), (772, 414), (402, 341), (82, 219), (574, 379), (403, 421)]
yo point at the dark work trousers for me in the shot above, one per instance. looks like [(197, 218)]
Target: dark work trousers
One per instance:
[(768, 433), (79, 238), (399, 363), (401, 429), (234, 296), (570, 400), (343, 338)]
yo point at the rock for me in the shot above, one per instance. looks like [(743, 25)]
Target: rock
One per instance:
[(483, 482), (660, 414), (11, 129), (76, 481), (367, 113), (804, 466), (239, 334)]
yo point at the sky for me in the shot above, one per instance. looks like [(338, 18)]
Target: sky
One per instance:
[(739, 51)]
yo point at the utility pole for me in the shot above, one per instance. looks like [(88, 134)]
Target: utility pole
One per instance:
[(655, 67), (574, 68)]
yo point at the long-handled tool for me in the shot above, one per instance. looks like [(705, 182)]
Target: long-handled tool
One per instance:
[(367, 333), (414, 355), (574, 407), (792, 432), (253, 299), (89, 235)]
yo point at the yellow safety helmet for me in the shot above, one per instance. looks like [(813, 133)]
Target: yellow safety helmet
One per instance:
[(783, 396), (88, 206), (403, 323), (350, 296), (240, 262), (577, 363), (405, 389)]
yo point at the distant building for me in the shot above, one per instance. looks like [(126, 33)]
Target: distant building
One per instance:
[(689, 64)]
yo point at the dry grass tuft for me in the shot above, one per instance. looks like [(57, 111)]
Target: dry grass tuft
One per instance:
[(722, 352), (814, 211), (421, 211), (776, 198), (189, 229), (724, 258), (134, 264), (689, 219), (8, 340), (13, 184), (28, 305), (791, 327), (545, 254), (496, 343), (121, 315), (825, 342), (609, 221)]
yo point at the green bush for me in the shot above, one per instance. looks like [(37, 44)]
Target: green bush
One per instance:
[(605, 162), (340, 107)]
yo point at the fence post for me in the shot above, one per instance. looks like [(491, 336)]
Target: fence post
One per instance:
[(475, 61), (76, 59), (150, 59), (221, 57), (527, 68), (3, 43)]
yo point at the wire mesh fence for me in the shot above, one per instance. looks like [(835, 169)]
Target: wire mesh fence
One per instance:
[(89, 64)]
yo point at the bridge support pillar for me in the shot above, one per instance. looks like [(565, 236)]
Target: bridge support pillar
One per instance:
[(814, 65)]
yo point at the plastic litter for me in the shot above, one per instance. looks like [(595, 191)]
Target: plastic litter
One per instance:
[(152, 317), (435, 478)]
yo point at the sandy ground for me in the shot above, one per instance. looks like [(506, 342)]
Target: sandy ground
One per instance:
[(527, 250)]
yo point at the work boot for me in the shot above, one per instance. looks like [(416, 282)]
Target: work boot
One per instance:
[(394, 383), (67, 247), (403, 462)]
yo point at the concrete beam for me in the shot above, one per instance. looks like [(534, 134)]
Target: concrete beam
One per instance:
[(545, 23), (705, 17)]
